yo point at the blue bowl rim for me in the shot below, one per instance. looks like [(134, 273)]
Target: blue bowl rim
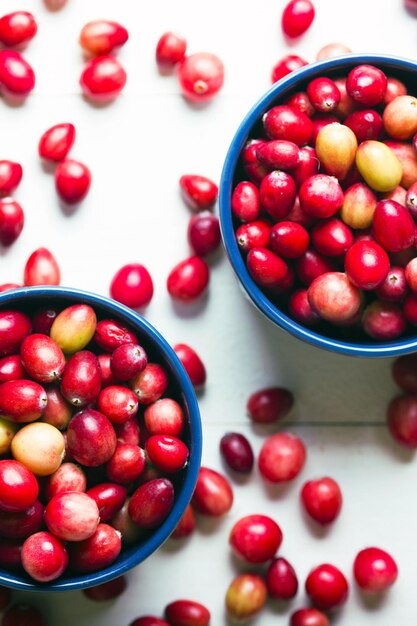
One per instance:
[(258, 298), (161, 534)]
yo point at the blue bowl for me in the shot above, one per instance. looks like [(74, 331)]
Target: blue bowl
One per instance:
[(341, 340), (33, 298)]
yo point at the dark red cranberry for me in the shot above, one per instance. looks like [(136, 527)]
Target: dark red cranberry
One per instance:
[(289, 239), (300, 308), (203, 233), (366, 124), (281, 580), (237, 452), (311, 265)]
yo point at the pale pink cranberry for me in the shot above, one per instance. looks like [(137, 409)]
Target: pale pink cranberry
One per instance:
[(200, 76), (72, 516), (327, 587), (213, 494), (255, 538), (375, 570), (297, 17), (170, 50), (68, 477), (332, 50), (322, 499), (281, 580), (333, 297), (281, 458), (44, 557), (286, 65), (132, 286)]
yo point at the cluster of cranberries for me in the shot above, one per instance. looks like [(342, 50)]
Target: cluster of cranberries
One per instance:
[(326, 216), (77, 396)]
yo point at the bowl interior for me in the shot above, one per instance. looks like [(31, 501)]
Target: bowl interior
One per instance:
[(180, 389), (349, 340)]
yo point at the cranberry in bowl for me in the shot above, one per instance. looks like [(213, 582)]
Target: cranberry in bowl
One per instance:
[(317, 204), (100, 439)]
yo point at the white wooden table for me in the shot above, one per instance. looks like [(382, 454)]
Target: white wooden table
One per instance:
[(137, 149)]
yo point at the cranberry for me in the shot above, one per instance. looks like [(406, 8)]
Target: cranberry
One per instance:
[(58, 411), (410, 308), (366, 84), (188, 279), (167, 453), (110, 334), (367, 265), (109, 498), (164, 417), (126, 464), (55, 5), (187, 613), (96, 552), (245, 202), (56, 142), (199, 192), (200, 76), (266, 268), (127, 361), (309, 617), (394, 89), (319, 121), (91, 438), (297, 17), (23, 524), (358, 206), (102, 37), (43, 319), (19, 487), (404, 372), (300, 308), (411, 274), (107, 591), (203, 233), (117, 403), (107, 377), (375, 570), (11, 368), (81, 380), (411, 200), (394, 287), (253, 235), (192, 364), (72, 181), (281, 458), (402, 420), (346, 105), (332, 237), (383, 320), (41, 269), (283, 122), (103, 79), (308, 165), (366, 124), (74, 327), (132, 286), (286, 65), (151, 503), (213, 493), (12, 220), (245, 597), (400, 117), (323, 94), (333, 297), (281, 580), (42, 358), (269, 405), (10, 559), (301, 102), (72, 516), (321, 196), (16, 75), (332, 50), (277, 194), (322, 499), (149, 620), (327, 587), (9, 286), (40, 447), (68, 477), (22, 400), (150, 384), (10, 176), (278, 154), (22, 615), (253, 168), (44, 557), (255, 538), (17, 28), (336, 147), (186, 525), (237, 452), (170, 50)]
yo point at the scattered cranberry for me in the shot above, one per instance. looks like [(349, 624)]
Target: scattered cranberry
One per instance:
[(402, 420), (255, 538), (213, 494), (12, 220), (375, 570), (204, 233), (102, 37), (56, 142), (17, 28), (132, 285), (327, 587), (17, 78), (187, 612), (72, 181), (309, 617), (281, 458), (245, 597), (270, 404), (41, 269), (10, 176), (186, 525), (297, 17), (170, 50), (192, 363), (286, 65), (201, 76), (322, 499), (103, 79), (188, 280), (106, 591), (199, 192), (404, 372), (281, 580), (237, 452), (23, 615)]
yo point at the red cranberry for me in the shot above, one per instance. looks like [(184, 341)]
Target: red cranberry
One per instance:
[(126, 464), (213, 493), (96, 552), (102, 37), (117, 403), (44, 557), (308, 165), (253, 235), (42, 358), (383, 320), (323, 94), (404, 372), (127, 361), (366, 84), (278, 154), (186, 525), (17, 28), (58, 411), (72, 516), (43, 319), (410, 308), (68, 477), (16, 75), (9, 286), (402, 420), (327, 587), (188, 279), (109, 498), (367, 265), (283, 122), (321, 196), (366, 124), (12, 220), (297, 17), (255, 538), (22, 615), (300, 308), (167, 453), (110, 334), (411, 274), (237, 452), (322, 499), (199, 192), (91, 438), (411, 200), (192, 364), (187, 612), (151, 503), (281, 458), (394, 287), (106, 591), (253, 168), (22, 400), (72, 181), (41, 269), (266, 268), (245, 201), (319, 121), (346, 105), (393, 226), (81, 380), (332, 237), (19, 487), (281, 580), (170, 50), (277, 194), (107, 377), (103, 78), (56, 142), (286, 65), (11, 368), (201, 76), (164, 417), (269, 405), (150, 384), (300, 102), (309, 617), (333, 297), (10, 176), (132, 286), (394, 89), (23, 524), (203, 233), (149, 620), (375, 570)]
